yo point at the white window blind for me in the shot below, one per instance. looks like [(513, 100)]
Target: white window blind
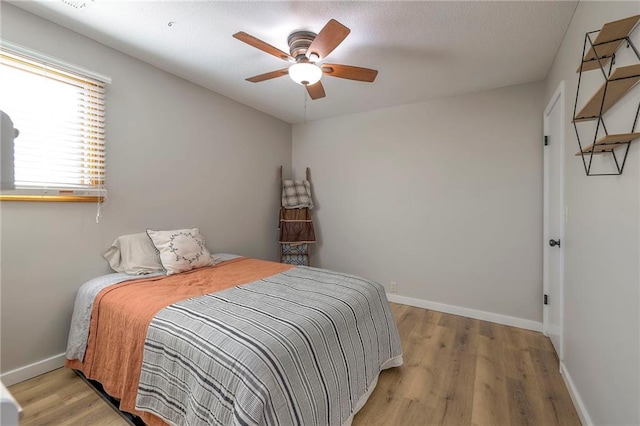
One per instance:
[(60, 118)]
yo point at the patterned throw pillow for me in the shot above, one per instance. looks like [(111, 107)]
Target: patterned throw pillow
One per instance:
[(180, 250)]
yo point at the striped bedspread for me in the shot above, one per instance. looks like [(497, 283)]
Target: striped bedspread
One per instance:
[(302, 347)]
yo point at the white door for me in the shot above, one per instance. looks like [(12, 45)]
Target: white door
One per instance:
[(554, 216)]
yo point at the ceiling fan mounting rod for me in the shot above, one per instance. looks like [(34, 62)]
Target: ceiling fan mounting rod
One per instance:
[(299, 42)]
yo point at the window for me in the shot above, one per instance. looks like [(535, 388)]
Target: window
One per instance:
[(58, 110)]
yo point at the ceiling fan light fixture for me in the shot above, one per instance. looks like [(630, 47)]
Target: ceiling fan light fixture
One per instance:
[(305, 73)]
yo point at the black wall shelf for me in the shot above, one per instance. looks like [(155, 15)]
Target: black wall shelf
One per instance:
[(601, 54)]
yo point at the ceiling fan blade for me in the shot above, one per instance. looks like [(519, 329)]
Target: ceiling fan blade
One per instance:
[(316, 91), (350, 72), (328, 39), (265, 47), (268, 75)]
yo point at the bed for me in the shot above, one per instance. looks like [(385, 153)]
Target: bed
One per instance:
[(245, 342)]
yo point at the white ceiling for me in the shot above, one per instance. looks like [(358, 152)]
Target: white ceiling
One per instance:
[(423, 50)]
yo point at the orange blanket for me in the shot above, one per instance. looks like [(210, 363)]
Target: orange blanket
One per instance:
[(122, 313)]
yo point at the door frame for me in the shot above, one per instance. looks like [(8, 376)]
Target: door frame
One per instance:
[(558, 96)]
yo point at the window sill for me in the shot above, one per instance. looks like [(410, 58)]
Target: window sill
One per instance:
[(54, 198)]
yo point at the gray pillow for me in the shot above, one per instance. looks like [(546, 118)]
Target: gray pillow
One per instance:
[(133, 254)]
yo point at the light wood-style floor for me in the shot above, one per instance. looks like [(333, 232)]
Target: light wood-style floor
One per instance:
[(457, 371), (62, 398), (461, 371)]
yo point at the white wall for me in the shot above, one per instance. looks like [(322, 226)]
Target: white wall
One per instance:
[(602, 235), (178, 155), (443, 197)]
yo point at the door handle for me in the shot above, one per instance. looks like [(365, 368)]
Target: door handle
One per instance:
[(554, 243)]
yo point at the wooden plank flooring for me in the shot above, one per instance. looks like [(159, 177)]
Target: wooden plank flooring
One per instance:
[(461, 371), (63, 398), (457, 371)]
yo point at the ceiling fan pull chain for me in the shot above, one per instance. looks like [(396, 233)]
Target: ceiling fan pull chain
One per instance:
[(305, 104)]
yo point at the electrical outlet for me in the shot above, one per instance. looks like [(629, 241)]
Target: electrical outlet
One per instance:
[(394, 286)]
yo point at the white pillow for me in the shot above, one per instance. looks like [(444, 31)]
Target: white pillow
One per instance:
[(133, 254), (180, 250)]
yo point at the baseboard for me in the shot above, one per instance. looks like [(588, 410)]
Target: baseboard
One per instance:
[(575, 396), (467, 312), (32, 370)]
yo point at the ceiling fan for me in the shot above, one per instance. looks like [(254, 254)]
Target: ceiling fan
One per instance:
[(306, 50)]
